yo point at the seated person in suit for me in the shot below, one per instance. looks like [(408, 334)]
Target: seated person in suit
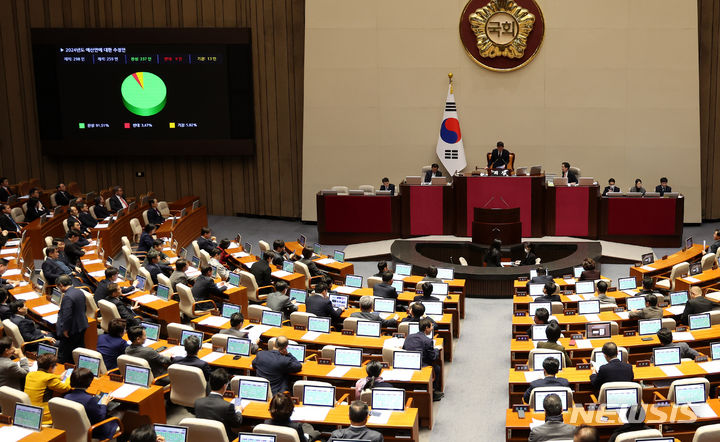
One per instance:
[(137, 337), (111, 276), (35, 210), (602, 288), (553, 333), (387, 186), (63, 197), (235, 330), (96, 410), (416, 312), (281, 408), (426, 295), (261, 270), (385, 288), (589, 272), (117, 201), (111, 344), (663, 187), (154, 267), (42, 384), (493, 255), (611, 187), (648, 286), (179, 276), (697, 303), (214, 407), (206, 241), (307, 253), (499, 158), (549, 293), (319, 304), (434, 171), (6, 283), (541, 278), (146, 238), (431, 275), (366, 313), (205, 287), (373, 379), (551, 366), (651, 310), (614, 371), (192, 347), (53, 267), (279, 249), (357, 430), (28, 329), (85, 217), (276, 365), (530, 256), (635, 421), (554, 428), (14, 365), (638, 187), (101, 212), (225, 258), (5, 191), (73, 250), (154, 216), (279, 301), (666, 341), (158, 245), (146, 433), (7, 222), (222, 272), (567, 173), (542, 315), (716, 244), (422, 341), (77, 227), (383, 267), (124, 311)]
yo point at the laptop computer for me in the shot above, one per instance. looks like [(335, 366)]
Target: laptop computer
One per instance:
[(302, 239), (152, 331), (288, 266), (588, 307), (433, 308), (256, 437), (690, 394), (122, 271), (319, 324), (398, 286), (187, 333), (234, 279), (440, 289), (679, 298), (92, 364), (56, 296), (541, 395), (238, 346), (348, 357), (597, 330), (533, 306), (635, 303), (648, 258), (384, 305), (666, 356), (368, 328), (413, 180), (135, 375), (28, 416), (163, 292), (649, 326), (171, 433), (388, 399), (318, 396), (577, 271), (355, 281), (298, 295), (538, 359), (445, 273), (536, 289), (44, 349), (297, 350), (339, 301), (339, 256), (253, 390), (538, 332), (403, 269), (616, 398), (629, 283), (699, 321), (273, 319), (141, 281), (585, 287), (228, 309), (409, 360)]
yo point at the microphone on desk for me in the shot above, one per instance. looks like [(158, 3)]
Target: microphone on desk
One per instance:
[(451, 260)]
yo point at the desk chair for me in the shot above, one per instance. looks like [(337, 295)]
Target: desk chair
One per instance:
[(13, 331), (602, 397), (367, 189), (576, 171), (341, 190), (350, 324), (219, 340), (707, 433), (404, 327), (91, 353), (187, 384), (90, 307), (300, 318), (303, 270), (70, 417), (124, 360), (204, 429), (191, 308), (92, 211), (264, 247), (511, 160), (298, 388), (196, 249), (555, 388), (164, 208), (282, 434), (18, 214), (136, 229), (708, 261), (686, 381), (557, 308), (328, 352), (134, 267), (462, 261), (255, 311), (235, 384), (164, 280), (53, 199), (145, 218), (669, 323), (247, 280), (174, 330), (65, 225), (9, 397), (142, 271), (204, 258), (632, 436), (622, 351), (714, 317), (108, 312), (48, 242), (372, 280), (677, 271), (531, 357), (424, 170), (388, 352)]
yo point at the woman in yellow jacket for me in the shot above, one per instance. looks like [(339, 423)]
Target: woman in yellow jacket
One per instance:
[(41, 385)]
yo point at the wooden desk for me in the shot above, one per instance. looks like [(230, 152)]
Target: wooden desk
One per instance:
[(663, 266), (455, 286), (571, 211), (187, 228), (143, 406), (348, 219), (520, 302), (338, 269), (35, 233), (182, 203), (44, 435), (111, 237), (427, 210), (707, 278), (655, 221)]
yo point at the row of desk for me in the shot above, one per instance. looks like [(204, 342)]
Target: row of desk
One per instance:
[(577, 211)]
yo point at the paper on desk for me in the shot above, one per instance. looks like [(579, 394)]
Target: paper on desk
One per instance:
[(27, 295), (214, 321), (97, 274), (592, 318), (12, 272), (649, 268), (256, 330), (280, 273), (310, 413), (440, 298), (671, 370), (33, 366), (325, 261), (101, 226), (52, 319), (536, 423), (240, 255), (124, 391), (9, 251), (710, 366), (703, 410), (13, 242), (310, 336), (338, 372), (233, 245), (574, 298), (676, 309), (397, 277), (192, 272), (92, 261), (623, 315), (692, 279), (379, 417), (148, 342), (172, 259), (683, 336), (46, 308), (12, 433), (435, 318), (399, 374), (622, 415), (346, 290), (385, 315), (583, 343), (534, 375), (212, 356), (178, 350), (146, 299), (570, 281)]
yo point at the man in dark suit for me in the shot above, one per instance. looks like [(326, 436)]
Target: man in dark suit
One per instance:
[(214, 407), (279, 301), (86, 219), (387, 186), (715, 245), (276, 365), (125, 312), (614, 371), (663, 187), (192, 347), (111, 345), (179, 276), (146, 240), (666, 341), (698, 303), (422, 341), (72, 321), (101, 212), (73, 251), (416, 313), (567, 173), (357, 430), (28, 328), (137, 337), (154, 267), (4, 308), (205, 286), (611, 187), (261, 270), (102, 291), (5, 283), (63, 197), (95, 409), (53, 267), (541, 278), (5, 191), (154, 216), (500, 158), (35, 210), (307, 253), (117, 201), (434, 171), (426, 295), (366, 313), (382, 268), (385, 288), (7, 222), (549, 293), (319, 304), (554, 428), (551, 366), (206, 241)]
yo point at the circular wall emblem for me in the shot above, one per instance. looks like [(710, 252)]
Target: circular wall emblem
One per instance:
[(502, 35)]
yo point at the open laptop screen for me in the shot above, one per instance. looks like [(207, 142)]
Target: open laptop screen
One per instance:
[(46, 349), (440, 288), (92, 364), (318, 395), (620, 398), (584, 287), (538, 332), (171, 433), (411, 360), (297, 350), (536, 289), (388, 399), (368, 328), (577, 271), (383, 305), (699, 321), (163, 292), (238, 346), (635, 303), (533, 306), (679, 298), (666, 356), (690, 394), (288, 266), (229, 309), (538, 359), (541, 395), (433, 308), (339, 301), (298, 295), (354, 281), (234, 279), (398, 286), (649, 326), (627, 283), (339, 256), (152, 331), (187, 333), (445, 274), (588, 307), (253, 390), (351, 357), (715, 350), (403, 269), (135, 375), (321, 325), (256, 437), (597, 330), (273, 319), (28, 416)]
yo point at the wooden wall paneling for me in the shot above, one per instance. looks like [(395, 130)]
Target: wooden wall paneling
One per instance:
[(282, 200), (297, 75), (709, 27)]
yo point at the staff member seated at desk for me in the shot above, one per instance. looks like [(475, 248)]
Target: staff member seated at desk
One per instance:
[(416, 313), (698, 303), (101, 212), (319, 304), (567, 173), (205, 287), (426, 295), (530, 256), (638, 187), (549, 293), (434, 171), (261, 270), (214, 407), (192, 347), (589, 272), (493, 255), (552, 332), (158, 363), (614, 371), (422, 341), (366, 313), (611, 187), (499, 158), (651, 310), (276, 365), (373, 379), (387, 186), (385, 288), (554, 428), (431, 275), (716, 245), (206, 241), (666, 340), (279, 301), (153, 214), (357, 430), (551, 366), (602, 288), (663, 187)]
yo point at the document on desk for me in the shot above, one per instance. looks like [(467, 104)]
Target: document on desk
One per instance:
[(345, 290), (671, 370), (212, 356), (710, 366), (683, 336), (124, 391), (240, 255), (280, 273), (630, 292), (338, 372), (534, 375), (92, 261), (703, 410), (11, 272), (379, 417), (310, 336), (536, 423), (233, 245), (399, 374), (256, 330), (52, 319), (13, 242), (27, 295), (574, 298), (325, 261), (310, 413), (101, 226), (46, 308), (178, 350), (9, 251), (12, 433), (623, 315), (146, 299), (97, 273), (570, 281), (583, 343), (592, 318), (214, 321), (691, 279), (172, 259), (676, 309)]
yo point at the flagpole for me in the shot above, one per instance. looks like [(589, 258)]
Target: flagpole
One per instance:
[(450, 75)]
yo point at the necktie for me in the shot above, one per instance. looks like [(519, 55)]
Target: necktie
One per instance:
[(17, 228), (122, 201)]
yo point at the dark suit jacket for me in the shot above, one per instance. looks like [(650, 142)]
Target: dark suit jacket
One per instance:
[(33, 213), (613, 371), (499, 160), (541, 279), (549, 381), (321, 306), (87, 220), (95, 411), (63, 198), (4, 312), (278, 302), (102, 292), (610, 189), (72, 220), (571, 177), (261, 271), (206, 244), (312, 267), (276, 367), (71, 316), (590, 275), (145, 243), (714, 247), (5, 193), (205, 287), (390, 187), (529, 259), (8, 223), (125, 312), (101, 212), (115, 203), (155, 217), (73, 252), (663, 189), (194, 361), (157, 269), (372, 316), (28, 329), (356, 433), (214, 407), (421, 342), (698, 305), (548, 298), (492, 258), (158, 363), (110, 347), (384, 290), (429, 175), (52, 270)]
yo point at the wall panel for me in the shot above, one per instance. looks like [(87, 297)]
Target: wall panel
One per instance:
[(227, 185), (709, 33)]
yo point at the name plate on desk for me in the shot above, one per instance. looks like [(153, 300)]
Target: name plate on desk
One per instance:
[(663, 403), (629, 333), (254, 321), (324, 361), (522, 292), (569, 312), (347, 332), (519, 407), (568, 276), (643, 363), (522, 367), (115, 377), (681, 328), (567, 292), (618, 310), (701, 358), (523, 338), (385, 365), (300, 327), (584, 366), (592, 406), (520, 313), (399, 335), (576, 336), (522, 278), (173, 341), (229, 394)]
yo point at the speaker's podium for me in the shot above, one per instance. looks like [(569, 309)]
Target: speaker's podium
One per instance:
[(502, 224)]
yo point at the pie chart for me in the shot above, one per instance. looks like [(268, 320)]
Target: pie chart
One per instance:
[(143, 93)]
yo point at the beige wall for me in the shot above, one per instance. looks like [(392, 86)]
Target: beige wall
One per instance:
[(613, 90)]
